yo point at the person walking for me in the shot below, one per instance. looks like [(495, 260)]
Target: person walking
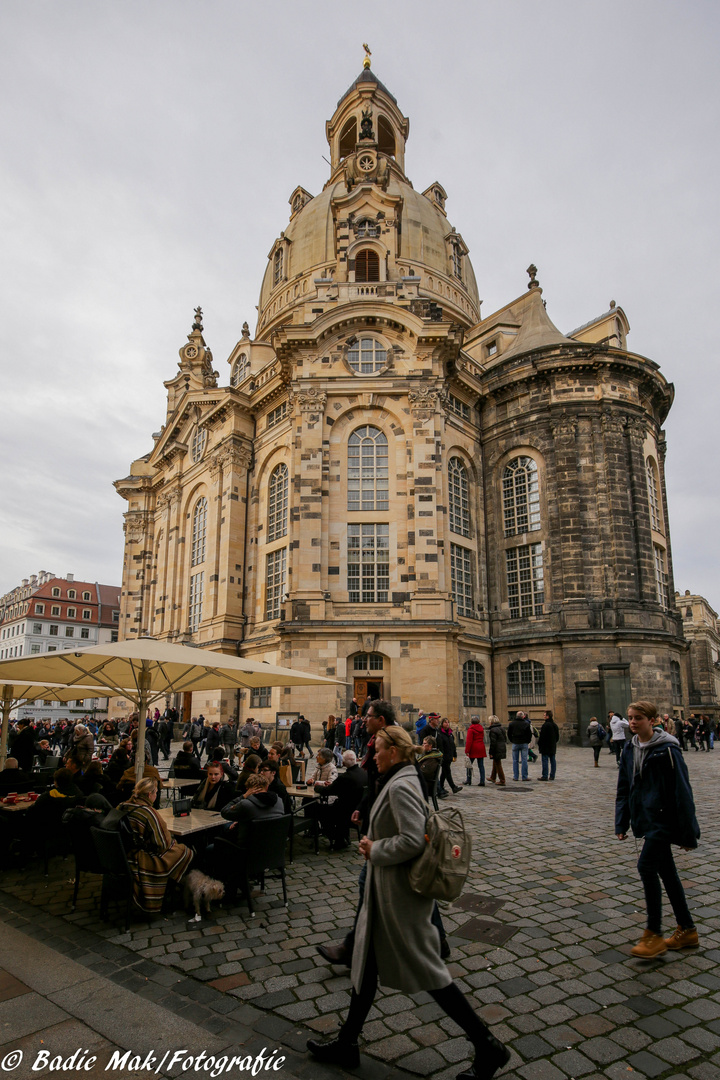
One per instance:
[(548, 739), (618, 734), (497, 749), (445, 741), (596, 734), (384, 951), (475, 750), (654, 797), (519, 733)]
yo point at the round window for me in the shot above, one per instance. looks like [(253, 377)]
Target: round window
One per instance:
[(366, 356)]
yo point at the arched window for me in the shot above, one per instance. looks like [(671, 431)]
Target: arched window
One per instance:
[(366, 356), (278, 503), (197, 447), (367, 470), (521, 496), (199, 532), (459, 497), (367, 265), (525, 580), (366, 228), (386, 137), (297, 203), (348, 138), (653, 494), (675, 682), (368, 662), (526, 683), (456, 258), (240, 369), (473, 685), (278, 270)]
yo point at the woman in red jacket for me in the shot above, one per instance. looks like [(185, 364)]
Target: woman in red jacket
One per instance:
[(475, 749)]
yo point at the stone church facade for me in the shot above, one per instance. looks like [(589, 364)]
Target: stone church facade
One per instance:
[(458, 512)]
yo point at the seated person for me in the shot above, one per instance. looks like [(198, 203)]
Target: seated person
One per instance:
[(249, 768), (344, 795), (186, 765), (430, 760), (126, 784), (257, 747), (229, 771), (256, 804), (215, 792), (119, 761), (11, 776), (271, 770), (63, 789), (43, 752), (325, 770), (155, 858), (94, 782)]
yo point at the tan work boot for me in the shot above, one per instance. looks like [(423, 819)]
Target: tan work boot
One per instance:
[(650, 945), (683, 939)]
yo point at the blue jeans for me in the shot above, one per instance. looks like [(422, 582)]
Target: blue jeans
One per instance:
[(520, 752), (480, 762), (548, 760)]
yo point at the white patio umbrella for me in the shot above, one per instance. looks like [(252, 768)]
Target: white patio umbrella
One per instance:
[(147, 669), (14, 693)]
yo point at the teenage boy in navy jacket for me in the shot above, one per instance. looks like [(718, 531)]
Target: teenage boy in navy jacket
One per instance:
[(654, 797)]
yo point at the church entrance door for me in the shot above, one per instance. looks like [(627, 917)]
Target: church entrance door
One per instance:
[(363, 687)]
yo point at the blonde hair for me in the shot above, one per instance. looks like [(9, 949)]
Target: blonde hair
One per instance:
[(645, 707), (493, 718), (399, 738), (256, 781), (145, 786)]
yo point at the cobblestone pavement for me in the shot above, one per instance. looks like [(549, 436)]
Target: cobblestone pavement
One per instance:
[(562, 990)]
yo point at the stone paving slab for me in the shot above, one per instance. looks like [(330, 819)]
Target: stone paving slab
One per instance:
[(562, 991)]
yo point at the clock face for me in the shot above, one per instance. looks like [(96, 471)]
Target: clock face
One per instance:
[(191, 352), (366, 162)]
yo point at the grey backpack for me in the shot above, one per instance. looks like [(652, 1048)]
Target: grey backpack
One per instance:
[(441, 871)]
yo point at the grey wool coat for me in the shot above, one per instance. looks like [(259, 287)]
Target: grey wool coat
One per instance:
[(393, 918)]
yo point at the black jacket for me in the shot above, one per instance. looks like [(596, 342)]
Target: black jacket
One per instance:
[(658, 801), (265, 804), (348, 789), (497, 742), (549, 737), (23, 748), (446, 745), (221, 793), (187, 767), (519, 732)]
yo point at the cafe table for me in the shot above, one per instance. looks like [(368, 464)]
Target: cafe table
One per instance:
[(194, 822), (175, 784)]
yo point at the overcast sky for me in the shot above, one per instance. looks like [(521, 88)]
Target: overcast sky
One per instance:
[(149, 150)]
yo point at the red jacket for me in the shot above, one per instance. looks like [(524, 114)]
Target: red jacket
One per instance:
[(348, 725), (475, 741)]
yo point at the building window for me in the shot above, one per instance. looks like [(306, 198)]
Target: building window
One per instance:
[(526, 591), (37, 628), (278, 503), (459, 407), (55, 609), (199, 531), (35, 647), (239, 370), (275, 582), (367, 265), (491, 348), (116, 616), (521, 496), (661, 576), (348, 138), (71, 594), (457, 261), (459, 502), (197, 447), (278, 261), (84, 632), (56, 592), (69, 631), (676, 683), (87, 613), (54, 630), (368, 470), (195, 601), (72, 613), (52, 648), (653, 495), (688, 613), (366, 229), (461, 579), (39, 609), (368, 661), (86, 596), (277, 415), (366, 356), (526, 683), (260, 697), (368, 557), (113, 635), (473, 685)]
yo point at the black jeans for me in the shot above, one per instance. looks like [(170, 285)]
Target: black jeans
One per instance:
[(446, 777), (656, 864), (596, 752)]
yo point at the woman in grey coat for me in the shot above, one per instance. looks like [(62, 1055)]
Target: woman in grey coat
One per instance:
[(384, 951)]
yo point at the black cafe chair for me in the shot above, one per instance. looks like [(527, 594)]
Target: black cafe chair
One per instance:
[(265, 852), (115, 869)]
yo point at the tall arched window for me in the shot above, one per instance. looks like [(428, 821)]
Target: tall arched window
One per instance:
[(675, 683), (278, 503), (386, 137), (240, 369), (521, 496), (653, 487), (367, 265), (368, 470), (278, 266), (473, 685), (348, 138), (526, 683), (199, 532), (197, 447), (459, 497)]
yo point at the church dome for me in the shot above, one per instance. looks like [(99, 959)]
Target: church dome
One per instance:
[(368, 225)]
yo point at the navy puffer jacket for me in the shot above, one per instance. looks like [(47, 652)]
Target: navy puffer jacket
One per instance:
[(657, 802)]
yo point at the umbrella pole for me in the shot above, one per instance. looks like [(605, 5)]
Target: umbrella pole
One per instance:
[(144, 681), (7, 700)]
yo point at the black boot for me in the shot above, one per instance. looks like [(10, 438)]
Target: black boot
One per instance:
[(336, 1052), (490, 1054), (488, 1059)]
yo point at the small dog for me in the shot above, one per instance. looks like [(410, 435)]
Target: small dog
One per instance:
[(198, 892)]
